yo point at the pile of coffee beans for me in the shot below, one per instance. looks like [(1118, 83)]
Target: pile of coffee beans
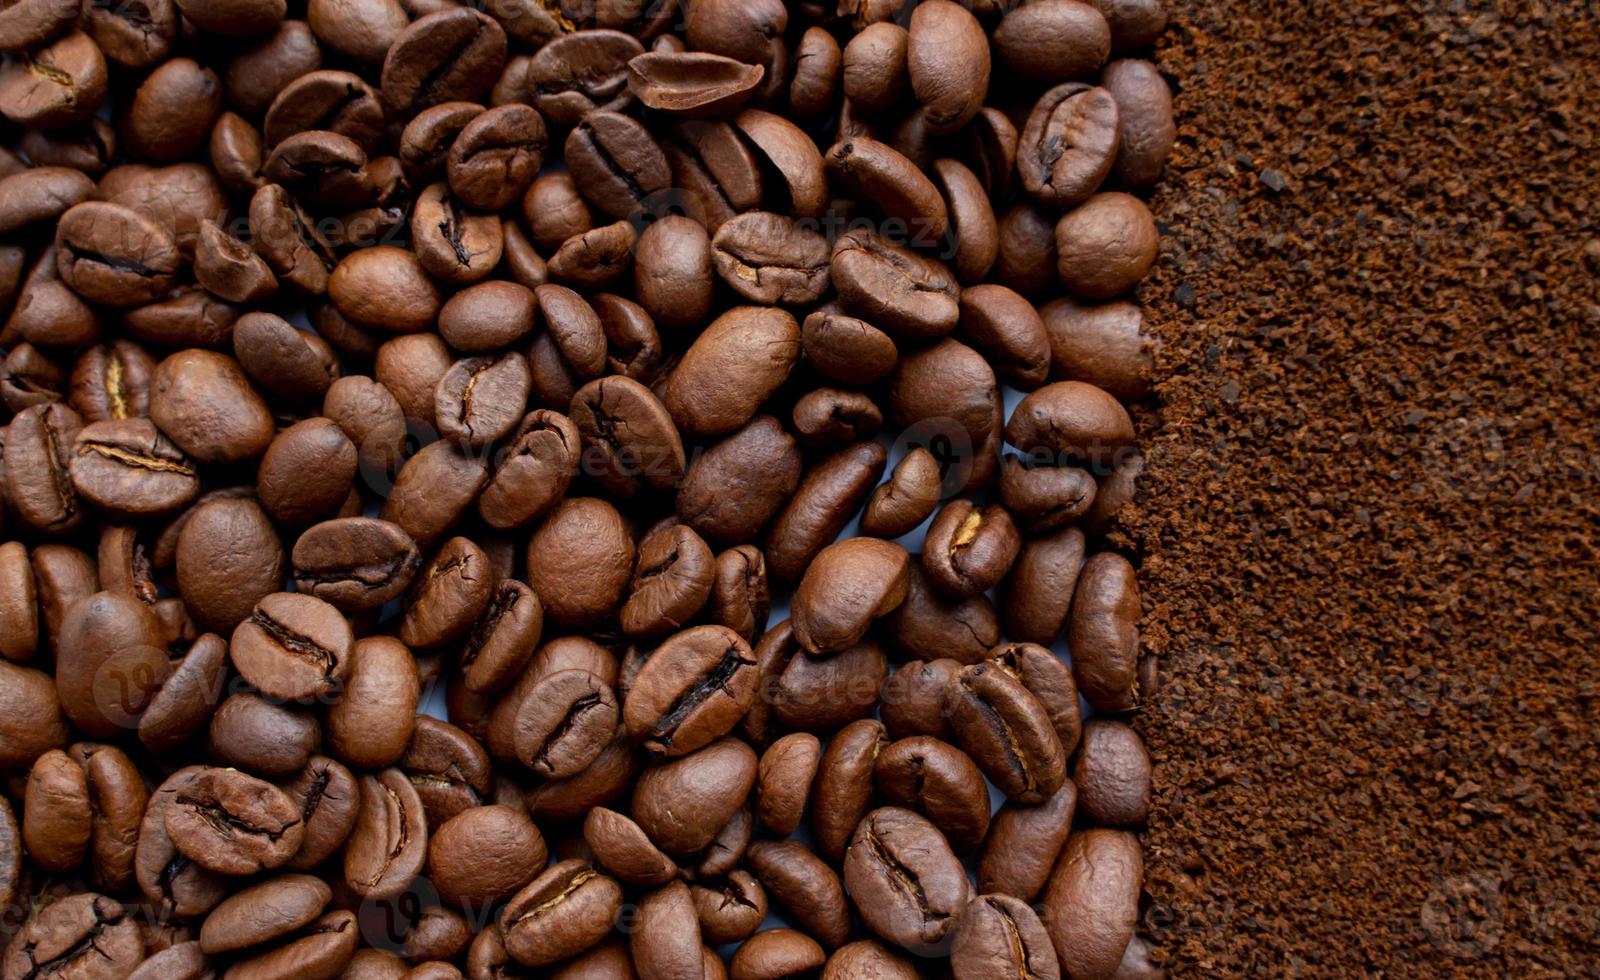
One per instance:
[(416, 413)]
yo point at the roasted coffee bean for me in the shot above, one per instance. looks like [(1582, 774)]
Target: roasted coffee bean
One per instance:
[(1104, 345), (846, 587), (582, 72), (1134, 23), (948, 60), (385, 287), (26, 25), (868, 959), (847, 349), (259, 736), (327, 797), (893, 287), (126, 467), (874, 67), (907, 499), (62, 575), (792, 154), (1044, 497), (230, 268), (1069, 144), (449, 595), (38, 456), (48, 312), (355, 563), (999, 936), (1072, 420), (483, 855), (481, 399), (904, 880), (112, 254), (806, 886), (28, 378), (825, 692), (769, 258), (410, 368), (1103, 633), (762, 459), (370, 724), (729, 911), (615, 162), (496, 156), (692, 83), (692, 690), (843, 790), (389, 844), (32, 718), (84, 934), (450, 242), (950, 389), (1105, 245), (914, 699), (203, 402), (821, 506), (561, 726), (718, 171), (1053, 41), (562, 912), (1144, 121), (672, 580), (232, 823), (539, 464), (40, 195), (112, 381), (453, 55), (740, 598), (818, 70), (264, 912), (941, 782), (292, 647), (750, 352), (110, 659), (434, 490), (1092, 903), (19, 612), (554, 210), (288, 239), (682, 803), (307, 472), (449, 769), (579, 562), (1023, 843), (487, 317), (229, 557), (728, 848), (894, 185), (667, 940), (630, 442), (60, 84), (783, 781), (188, 697), (969, 549), (777, 953), (623, 848), (437, 934), (830, 417), (1038, 593), (1005, 729), (322, 169), (1112, 774)]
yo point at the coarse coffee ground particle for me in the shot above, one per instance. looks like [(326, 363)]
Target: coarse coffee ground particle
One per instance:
[(1368, 520)]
